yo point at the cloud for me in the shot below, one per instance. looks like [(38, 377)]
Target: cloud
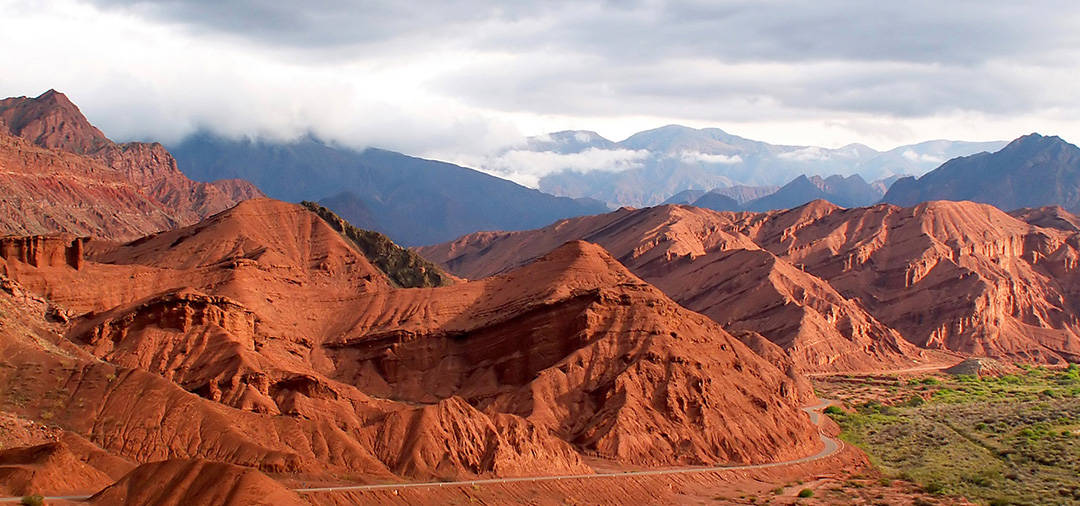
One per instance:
[(466, 77), (653, 30), (922, 157), (699, 157), (583, 137), (810, 154), (527, 167), (171, 83)]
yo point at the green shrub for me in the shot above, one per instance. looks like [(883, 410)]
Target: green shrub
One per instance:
[(32, 500), (806, 493), (1073, 371), (402, 267), (834, 410), (934, 487), (915, 401)]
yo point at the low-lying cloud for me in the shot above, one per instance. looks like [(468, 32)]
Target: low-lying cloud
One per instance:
[(467, 77), (706, 158), (527, 167), (922, 157)]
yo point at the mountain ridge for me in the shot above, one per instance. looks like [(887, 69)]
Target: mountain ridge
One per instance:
[(412, 200), (64, 175), (680, 158), (951, 277), (1031, 171)]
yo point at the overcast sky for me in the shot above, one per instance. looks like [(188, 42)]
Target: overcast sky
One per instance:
[(448, 78)]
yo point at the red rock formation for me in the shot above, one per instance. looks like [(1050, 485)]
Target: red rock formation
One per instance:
[(44, 191), (48, 467), (1048, 217), (700, 259), (958, 276), (598, 357), (180, 482), (837, 288), (60, 174), (50, 121), (260, 338), (43, 251)]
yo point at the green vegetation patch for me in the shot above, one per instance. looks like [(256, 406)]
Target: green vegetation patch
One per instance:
[(404, 268), (1008, 440)]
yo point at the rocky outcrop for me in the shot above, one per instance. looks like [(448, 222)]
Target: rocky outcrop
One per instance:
[(196, 481), (589, 352), (403, 267), (51, 467), (44, 251), (50, 121), (949, 275), (842, 289), (261, 338), (60, 174), (702, 261)]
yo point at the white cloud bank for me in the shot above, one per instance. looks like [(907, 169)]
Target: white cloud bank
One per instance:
[(527, 167), (922, 157), (699, 157), (450, 80)]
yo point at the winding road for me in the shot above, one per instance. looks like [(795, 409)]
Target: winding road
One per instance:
[(832, 446)]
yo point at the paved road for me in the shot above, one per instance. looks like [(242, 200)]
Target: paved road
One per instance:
[(923, 368), (831, 446), (72, 498)]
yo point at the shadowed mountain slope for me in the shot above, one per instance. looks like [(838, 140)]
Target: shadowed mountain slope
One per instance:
[(412, 200), (1032, 171)]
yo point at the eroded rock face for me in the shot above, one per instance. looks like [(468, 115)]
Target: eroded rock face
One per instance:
[(196, 481), (951, 275), (698, 258), (43, 251), (50, 121), (259, 337), (50, 466), (60, 174), (598, 357), (840, 289)]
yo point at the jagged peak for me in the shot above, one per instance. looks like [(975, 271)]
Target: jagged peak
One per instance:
[(52, 121), (1036, 140), (54, 97)]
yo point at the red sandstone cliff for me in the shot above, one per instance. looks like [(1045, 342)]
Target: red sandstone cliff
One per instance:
[(60, 174)]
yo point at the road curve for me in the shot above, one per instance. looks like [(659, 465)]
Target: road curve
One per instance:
[(832, 446)]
